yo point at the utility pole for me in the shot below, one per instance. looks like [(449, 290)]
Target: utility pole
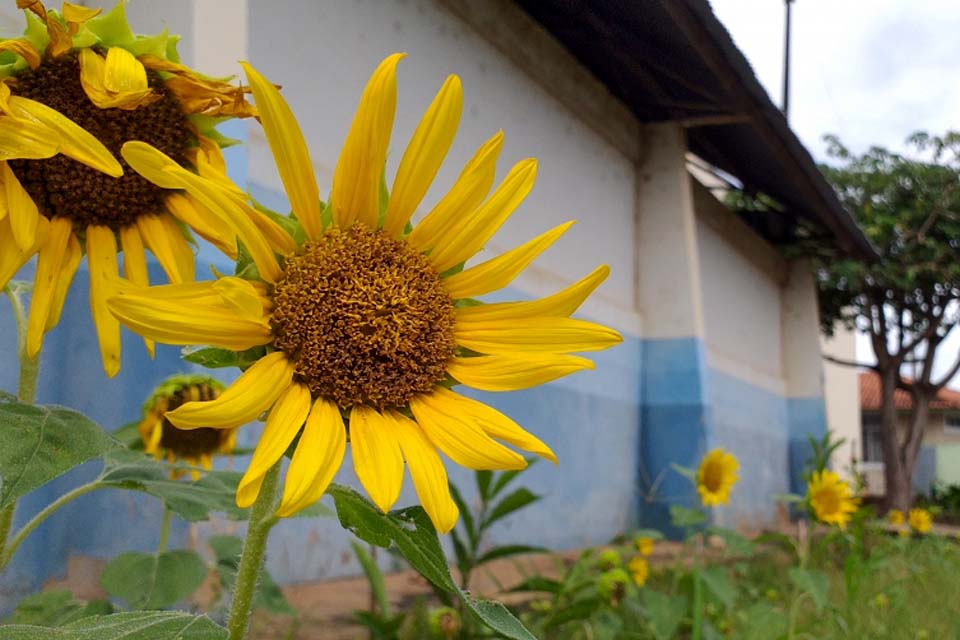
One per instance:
[(786, 63)]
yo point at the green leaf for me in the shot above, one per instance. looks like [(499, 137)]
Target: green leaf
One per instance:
[(56, 608), (538, 583), (736, 544), (578, 610), (152, 581), (815, 583), (686, 517), (508, 550), (483, 484), (718, 583), (38, 444), (192, 501), (290, 224), (653, 534), (506, 477), (268, 595), (686, 472), (788, 498), (129, 436), (466, 516), (664, 612), (217, 358), (414, 536), (374, 577), (131, 625), (517, 500)]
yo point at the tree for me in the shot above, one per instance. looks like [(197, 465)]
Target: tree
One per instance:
[(907, 300)]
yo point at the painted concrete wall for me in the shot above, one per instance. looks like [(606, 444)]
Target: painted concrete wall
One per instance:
[(842, 396)]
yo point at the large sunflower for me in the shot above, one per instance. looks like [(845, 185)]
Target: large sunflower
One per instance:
[(831, 498), (82, 84), (368, 321)]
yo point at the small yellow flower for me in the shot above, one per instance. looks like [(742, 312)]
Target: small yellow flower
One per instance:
[(716, 476), (920, 520), (639, 569), (832, 499), (644, 545), (896, 517)]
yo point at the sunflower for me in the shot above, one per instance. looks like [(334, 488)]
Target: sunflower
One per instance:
[(639, 569), (831, 498), (197, 446), (644, 545), (81, 84), (370, 322), (716, 476), (896, 517), (920, 520)]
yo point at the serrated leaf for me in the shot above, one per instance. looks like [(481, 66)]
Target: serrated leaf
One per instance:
[(131, 625), (40, 443), (414, 536), (815, 583), (517, 500), (56, 608), (153, 581), (268, 595), (509, 550)]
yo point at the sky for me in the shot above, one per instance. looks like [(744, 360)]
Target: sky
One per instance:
[(870, 71)]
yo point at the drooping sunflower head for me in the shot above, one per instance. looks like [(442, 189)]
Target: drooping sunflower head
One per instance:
[(920, 520), (831, 498), (163, 440), (73, 89), (639, 568), (716, 476), (366, 320)]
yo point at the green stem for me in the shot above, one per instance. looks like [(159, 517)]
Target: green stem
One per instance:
[(697, 593), (38, 519), (254, 549), (164, 529)]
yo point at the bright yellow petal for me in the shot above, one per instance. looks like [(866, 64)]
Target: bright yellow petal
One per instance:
[(424, 155), (284, 422), (52, 256), (319, 455), (514, 372), (467, 193), (467, 236), (75, 14), (102, 260), (427, 470), (64, 278), (551, 335), (165, 239), (242, 297), (464, 442), (498, 272), (376, 456), (135, 266), (12, 257), (356, 179), (196, 216), (276, 235), (251, 394), (289, 152), (494, 423), (23, 212), (123, 72), (561, 304), (75, 142), (94, 78), (24, 49), (26, 139)]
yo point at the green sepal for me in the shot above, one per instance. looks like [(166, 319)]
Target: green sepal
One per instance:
[(172, 54), (36, 32), (112, 27), (155, 45), (289, 222)]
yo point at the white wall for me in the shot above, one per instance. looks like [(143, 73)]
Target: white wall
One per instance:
[(842, 397)]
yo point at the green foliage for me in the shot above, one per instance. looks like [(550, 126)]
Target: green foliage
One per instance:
[(217, 358), (821, 450), (40, 443), (56, 608), (153, 581), (133, 625), (268, 595)]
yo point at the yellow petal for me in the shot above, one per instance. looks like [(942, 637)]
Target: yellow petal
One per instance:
[(12, 257), (241, 296), (289, 152), (276, 235), (204, 223), (498, 272), (94, 78), (23, 212), (123, 72), (74, 141), (188, 321), (75, 14), (135, 266), (376, 456), (514, 372), (561, 304), (467, 236), (426, 469), (462, 441), (356, 179), (495, 424), (165, 239), (251, 394), (64, 278), (319, 454), (467, 193), (424, 155), (284, 422), (52, 256), (102, 260), (24, 49), (551, 335), (26, 139)]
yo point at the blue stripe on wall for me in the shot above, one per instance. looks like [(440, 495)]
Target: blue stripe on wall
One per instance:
[(805, 417)]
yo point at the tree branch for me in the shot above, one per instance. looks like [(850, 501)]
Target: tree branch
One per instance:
[(849, 363)]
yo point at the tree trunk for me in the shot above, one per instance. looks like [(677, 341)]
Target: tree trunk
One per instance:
[(918, 426), (898, 492)]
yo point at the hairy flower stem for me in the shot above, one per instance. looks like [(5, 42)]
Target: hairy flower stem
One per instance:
[(164, 529), (254, 548), (697, 589)]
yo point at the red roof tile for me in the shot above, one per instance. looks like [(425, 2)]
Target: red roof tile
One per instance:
[(870, 395)]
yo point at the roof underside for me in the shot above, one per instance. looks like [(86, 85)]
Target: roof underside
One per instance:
[(673, 60)]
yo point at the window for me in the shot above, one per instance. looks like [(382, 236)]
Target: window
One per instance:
[(873, 438), (951, 424)]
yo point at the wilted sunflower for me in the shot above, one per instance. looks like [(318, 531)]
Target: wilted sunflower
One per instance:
[(832, 499), (82, 84), (195, 446), (920, 520), (368, 320), (716, 476)]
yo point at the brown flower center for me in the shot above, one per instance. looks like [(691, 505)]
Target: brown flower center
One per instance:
[(364, 318), (64, 187), (190, 443)]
